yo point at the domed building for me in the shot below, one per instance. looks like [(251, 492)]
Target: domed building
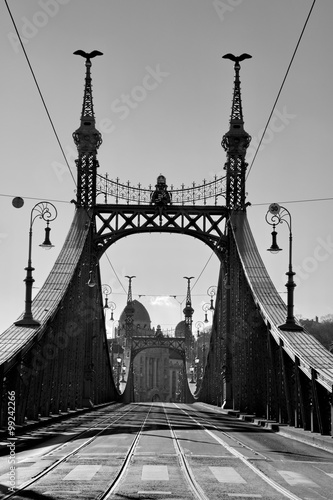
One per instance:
[(141, 320), (157, 371)]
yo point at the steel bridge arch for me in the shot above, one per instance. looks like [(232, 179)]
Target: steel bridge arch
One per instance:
[(205, 223)]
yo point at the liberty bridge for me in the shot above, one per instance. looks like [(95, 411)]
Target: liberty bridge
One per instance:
[(260, 361)]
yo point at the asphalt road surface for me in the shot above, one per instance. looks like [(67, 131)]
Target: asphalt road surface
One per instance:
[(162, 451)]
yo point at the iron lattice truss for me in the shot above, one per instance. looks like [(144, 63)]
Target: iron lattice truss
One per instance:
[(138, 344), (117, 221), (127, 193), (86, 189)]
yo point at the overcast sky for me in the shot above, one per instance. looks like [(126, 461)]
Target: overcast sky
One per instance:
[(175, 129)]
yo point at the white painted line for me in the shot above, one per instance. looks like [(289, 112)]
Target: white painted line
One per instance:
[(227, 475), (244, 495), (155, 473), (63, 492), (154, 492), (295, 479), (82, 473)]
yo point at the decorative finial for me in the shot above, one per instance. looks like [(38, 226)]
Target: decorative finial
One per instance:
[(87, 56), (129, 295), (236, 59)]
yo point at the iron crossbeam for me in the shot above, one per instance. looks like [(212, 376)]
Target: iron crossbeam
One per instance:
[(206, 223), (138, 344)]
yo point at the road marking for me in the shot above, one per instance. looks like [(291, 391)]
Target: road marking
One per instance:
[(227, 475), (155, 473), (82, 473), (295, 479), (244, 495), (154, 492), (63, 492)]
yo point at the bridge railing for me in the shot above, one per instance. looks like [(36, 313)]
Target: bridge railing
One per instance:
[(206, 193)]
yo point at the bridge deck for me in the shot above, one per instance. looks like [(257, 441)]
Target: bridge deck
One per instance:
[(311, 353), (45, 304)]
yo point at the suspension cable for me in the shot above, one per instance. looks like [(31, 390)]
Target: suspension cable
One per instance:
[(40, 92), (281, 87)]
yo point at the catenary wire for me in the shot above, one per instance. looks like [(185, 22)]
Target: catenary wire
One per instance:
[(280, 90), (40, 92)]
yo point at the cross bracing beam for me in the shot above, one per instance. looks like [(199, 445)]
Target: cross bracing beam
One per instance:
[(206, 223), (138, 344)]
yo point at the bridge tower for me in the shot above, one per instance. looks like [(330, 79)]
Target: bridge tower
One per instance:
[(188, 314), (235, 142), (87, 140)]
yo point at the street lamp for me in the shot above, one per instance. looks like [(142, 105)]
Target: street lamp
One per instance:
[(205, 308), (118, 370), (277, 214), (48, 212), (192, 373), (92, 278), (123, 371), (212, 292), (197, 371), (199, 326), (112, 306), (106, 290)]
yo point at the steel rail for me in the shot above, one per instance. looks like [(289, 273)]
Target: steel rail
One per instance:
[(185, 466), (51, 467), (115, 483), (239, 455)]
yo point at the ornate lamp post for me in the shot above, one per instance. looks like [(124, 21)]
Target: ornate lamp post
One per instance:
[(192, 373), (197, 372), (106, 291), (199, 325), (123, 371), (277, 214), (118, 370), (206, 308), (212, 292), (112, 306), (48, 212)]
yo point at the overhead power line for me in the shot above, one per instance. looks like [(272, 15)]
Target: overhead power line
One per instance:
[(281, 87), (39, 91)]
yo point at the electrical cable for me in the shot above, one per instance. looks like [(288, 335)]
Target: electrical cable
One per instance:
[(281, 87), (39, 91), (116, 275)]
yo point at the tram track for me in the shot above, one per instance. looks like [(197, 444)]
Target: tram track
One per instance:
[(67, 456), (241, 456), (152, 436)]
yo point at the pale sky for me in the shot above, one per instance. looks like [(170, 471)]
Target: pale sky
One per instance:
[(176, 130)]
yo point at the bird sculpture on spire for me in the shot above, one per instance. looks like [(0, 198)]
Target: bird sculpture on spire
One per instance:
[(87, 56), (237, 59)]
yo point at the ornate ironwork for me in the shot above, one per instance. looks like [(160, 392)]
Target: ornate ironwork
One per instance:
[(117, 221), (235, 142), (141, 343), (127, 193), (87, 140)]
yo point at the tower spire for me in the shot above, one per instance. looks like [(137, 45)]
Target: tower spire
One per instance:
[(129, 311), (235, 142), (188, 309), (87, 140), (129, 293)]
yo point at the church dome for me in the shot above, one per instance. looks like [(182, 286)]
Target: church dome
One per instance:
[(180, 329), (141, 317)]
